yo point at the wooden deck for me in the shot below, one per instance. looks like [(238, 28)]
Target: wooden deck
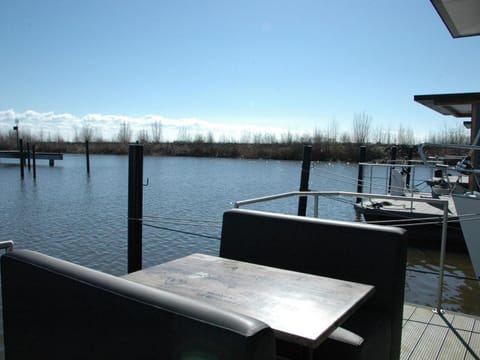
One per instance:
[(426, 335)]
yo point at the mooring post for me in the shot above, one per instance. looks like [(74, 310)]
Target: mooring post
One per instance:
[(393, 158), (361, 159), (22, 170), (304, 179), (409, 169), (135, 206), (34, 162), (28, 156), (87, 154)]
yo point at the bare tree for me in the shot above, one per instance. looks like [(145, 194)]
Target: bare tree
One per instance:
[(125, 133), (332, 131), (86, 133), (156, 132), (142, 136), (361, 128)]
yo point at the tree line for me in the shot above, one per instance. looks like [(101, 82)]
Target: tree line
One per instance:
[(328, 143)]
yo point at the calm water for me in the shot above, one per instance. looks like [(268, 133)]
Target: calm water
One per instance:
[(83, 219)]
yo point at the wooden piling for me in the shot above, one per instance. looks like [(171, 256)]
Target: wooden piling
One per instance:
[(135, 206), (22, 162), (34, 162), (28, 156), (304, 179), (87, 155), (362, 158)]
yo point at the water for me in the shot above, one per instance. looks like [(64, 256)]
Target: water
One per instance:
[(83, 219)]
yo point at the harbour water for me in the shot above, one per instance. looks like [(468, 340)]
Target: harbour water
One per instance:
[(65, 213)]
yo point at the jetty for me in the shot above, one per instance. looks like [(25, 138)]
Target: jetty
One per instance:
[(15, 154)]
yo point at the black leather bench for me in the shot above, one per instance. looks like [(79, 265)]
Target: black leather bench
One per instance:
[(369, 254), (53, 309)]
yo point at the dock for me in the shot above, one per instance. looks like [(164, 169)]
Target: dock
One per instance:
[(15, 154), (425, 335)]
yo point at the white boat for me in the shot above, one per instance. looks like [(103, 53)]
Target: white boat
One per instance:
[(423, 220), (468, 208)]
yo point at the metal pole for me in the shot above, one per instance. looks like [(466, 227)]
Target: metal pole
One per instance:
[(135, 206), (304, 178), (22, 170), (442, 257), (362, 159), (34, 162), (87, 154)]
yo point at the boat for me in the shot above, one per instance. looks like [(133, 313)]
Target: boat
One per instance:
[(413, 179), (468, 206)]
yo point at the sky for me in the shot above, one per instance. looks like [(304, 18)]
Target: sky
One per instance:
[(227, 67)]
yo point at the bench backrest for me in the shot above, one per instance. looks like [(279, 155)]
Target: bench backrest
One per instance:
[(369, 254), (54, 309)]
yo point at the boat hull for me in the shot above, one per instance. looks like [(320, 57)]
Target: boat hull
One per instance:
[(423, 234)]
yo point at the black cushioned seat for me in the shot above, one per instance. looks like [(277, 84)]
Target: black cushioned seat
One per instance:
[(54, 309), (369, 254)]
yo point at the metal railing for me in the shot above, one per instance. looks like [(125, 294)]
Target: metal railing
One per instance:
[(317, 194), (6, 245)]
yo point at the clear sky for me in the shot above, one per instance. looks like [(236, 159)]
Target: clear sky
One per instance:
[(226, 65)]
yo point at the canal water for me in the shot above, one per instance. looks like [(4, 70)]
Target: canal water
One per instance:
[(65, 213)]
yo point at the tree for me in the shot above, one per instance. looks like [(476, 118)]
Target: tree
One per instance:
[(156, 132), (86, 133), (361, 128), (142, 136), (125, 133)]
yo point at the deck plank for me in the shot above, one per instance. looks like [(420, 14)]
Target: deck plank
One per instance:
[(474, 344), (425, 335), (452, 348), (412, 332), (430, 344)]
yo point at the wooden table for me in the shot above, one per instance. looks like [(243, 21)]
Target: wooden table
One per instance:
[(300, 308)]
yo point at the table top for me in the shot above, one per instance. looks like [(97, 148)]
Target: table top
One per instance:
[(299, 307)]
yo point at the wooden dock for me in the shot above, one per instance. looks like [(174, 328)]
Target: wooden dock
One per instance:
[(15, 154), (426, 335)]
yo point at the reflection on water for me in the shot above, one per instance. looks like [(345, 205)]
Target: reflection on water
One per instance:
[(65, 213), (460, 288)]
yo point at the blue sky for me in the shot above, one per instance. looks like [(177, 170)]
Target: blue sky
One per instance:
[(227, 66)]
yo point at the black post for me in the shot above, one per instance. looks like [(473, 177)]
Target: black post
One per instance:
[(409, 169), (87, 154), (22, 170), (34, 162), (362, 159), (135, 206), (393, 157), (304, 179), (28, 156)]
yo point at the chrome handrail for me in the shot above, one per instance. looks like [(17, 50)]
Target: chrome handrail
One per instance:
[(7, 245), (316, 194)]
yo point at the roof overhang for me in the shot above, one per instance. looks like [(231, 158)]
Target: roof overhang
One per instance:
[(458, 105), (461, 17)]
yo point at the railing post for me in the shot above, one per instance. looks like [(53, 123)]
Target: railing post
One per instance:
[(362, 159), (135, 206), (307, 158), (442, 256)]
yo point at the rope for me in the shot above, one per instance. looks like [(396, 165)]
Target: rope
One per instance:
[(445, 275), (182, 231)]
